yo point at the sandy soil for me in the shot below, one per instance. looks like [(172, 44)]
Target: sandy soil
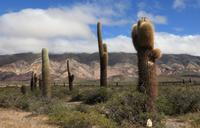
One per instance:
[(19, 119), (175, 123)]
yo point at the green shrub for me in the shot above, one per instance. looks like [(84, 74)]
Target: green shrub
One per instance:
[(164, 106), (23, 103), (76, 95), (129, 106), (126, 106), (97, 96), (179, 101), (76, 119)]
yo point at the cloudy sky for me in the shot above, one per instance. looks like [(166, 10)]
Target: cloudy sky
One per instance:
[(70, 25)]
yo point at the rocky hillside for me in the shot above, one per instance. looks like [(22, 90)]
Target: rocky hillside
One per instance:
[(86, 66)]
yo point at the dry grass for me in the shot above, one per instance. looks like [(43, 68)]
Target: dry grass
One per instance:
[(19, 119)]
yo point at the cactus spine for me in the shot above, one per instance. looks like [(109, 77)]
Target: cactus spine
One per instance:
[(70, 77), (143, 41), (46, 86), (103, 55)]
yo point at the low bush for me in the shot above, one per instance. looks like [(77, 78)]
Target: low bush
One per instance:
[(97, 96), (128, 107), (75, 119), (179, 101)]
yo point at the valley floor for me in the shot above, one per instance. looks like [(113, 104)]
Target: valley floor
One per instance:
[(20, 119)]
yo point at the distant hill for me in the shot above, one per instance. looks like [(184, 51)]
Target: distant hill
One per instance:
[(86, 66)]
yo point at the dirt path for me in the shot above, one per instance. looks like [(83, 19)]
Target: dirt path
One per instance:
[(176, 123), (19, 119)]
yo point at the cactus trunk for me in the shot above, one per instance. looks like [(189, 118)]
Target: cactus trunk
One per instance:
[(143, 40), (32, 82), (70, 77), (35, 81), (46, 87), (103, 55)]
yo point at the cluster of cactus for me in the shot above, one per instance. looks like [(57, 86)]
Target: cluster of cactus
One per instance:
[(70, 77), (33, 82), (103, 55), (143, 41), (46, 86)]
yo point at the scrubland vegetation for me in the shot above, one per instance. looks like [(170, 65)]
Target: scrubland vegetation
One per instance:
[(110, 107)]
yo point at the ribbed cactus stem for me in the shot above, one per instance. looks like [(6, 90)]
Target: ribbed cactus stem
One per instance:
[(103, 55), (46, 86), (100, 42), (143, 40), (70, 77)]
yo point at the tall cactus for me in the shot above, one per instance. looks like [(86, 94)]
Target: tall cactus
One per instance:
[(70, 77), (46, 86), (103, 55), (35, 81), (32, 82), (143, 41)]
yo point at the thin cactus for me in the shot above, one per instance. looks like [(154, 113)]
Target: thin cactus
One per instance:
[(103, 55), (70, 77), (143, 41), (46, 86), (32, 82), (35, 81)]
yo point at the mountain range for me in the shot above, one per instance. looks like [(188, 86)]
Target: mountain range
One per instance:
[(85, 66)]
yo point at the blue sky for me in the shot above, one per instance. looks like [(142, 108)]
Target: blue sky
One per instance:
[(68, 25)]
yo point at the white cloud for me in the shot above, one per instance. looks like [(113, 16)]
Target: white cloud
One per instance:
[(120, 43), (59, 45), (68, 30), (158, 19), (65, 29), (170, 43), (179, 4), (40, 23)]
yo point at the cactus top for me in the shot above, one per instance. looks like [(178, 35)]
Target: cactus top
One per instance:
[(143, 34)]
